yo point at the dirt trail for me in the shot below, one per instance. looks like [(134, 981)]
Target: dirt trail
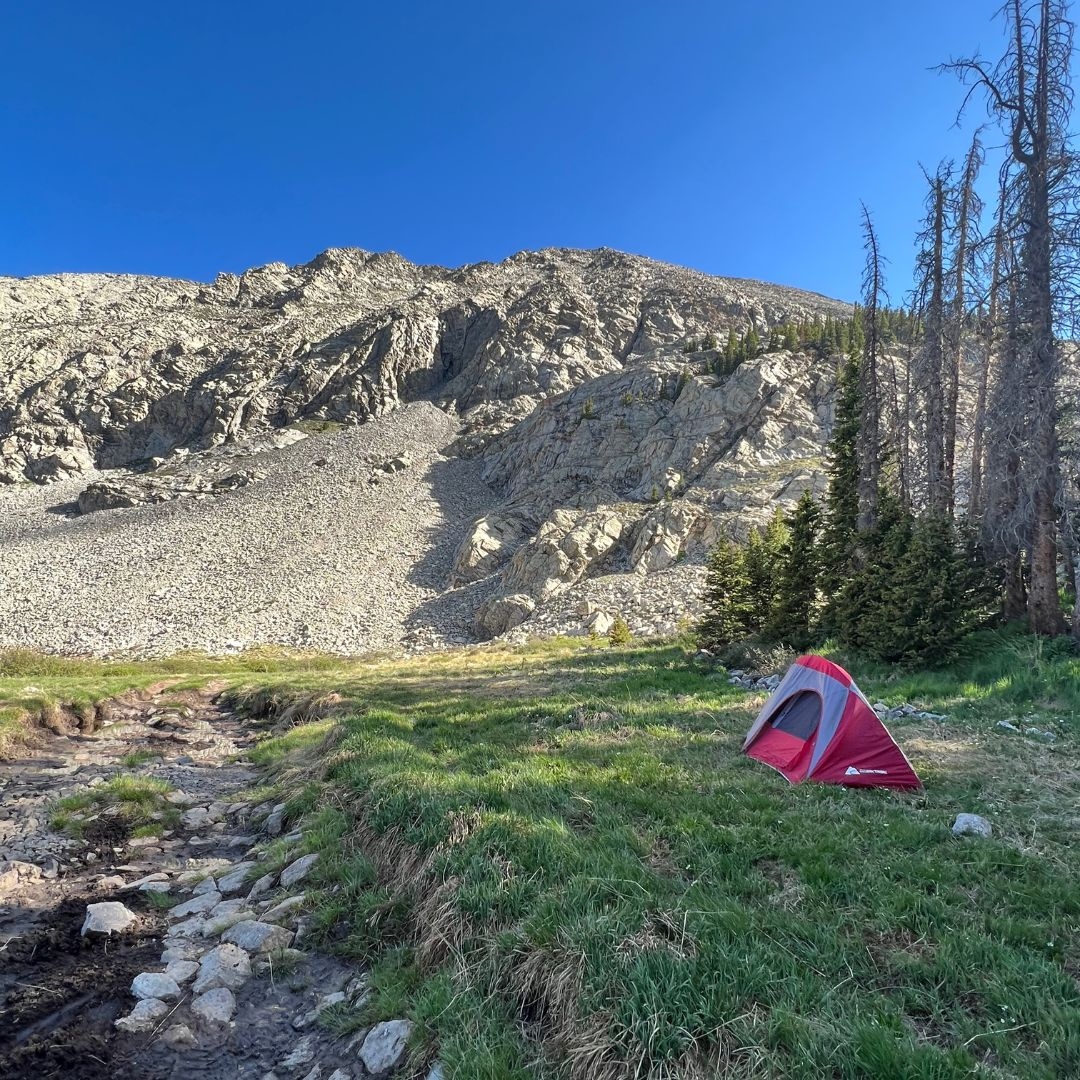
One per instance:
[(61, 992)]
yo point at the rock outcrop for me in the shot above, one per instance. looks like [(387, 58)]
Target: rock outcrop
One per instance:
[(571, 382)]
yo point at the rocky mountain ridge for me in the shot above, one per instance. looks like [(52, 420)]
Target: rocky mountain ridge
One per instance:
[(601, 446)]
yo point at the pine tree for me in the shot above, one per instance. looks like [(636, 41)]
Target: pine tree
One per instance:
[(837, 546), (794, 617), (751, 345), (762, 558), (727, 600)]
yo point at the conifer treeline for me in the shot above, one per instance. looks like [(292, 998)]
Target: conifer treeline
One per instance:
[(918, 542)]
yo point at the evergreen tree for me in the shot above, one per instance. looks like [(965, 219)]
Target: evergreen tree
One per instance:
[(751, 345), (762, 557), (728, 604), (837, 546), (794, 616), (791, 337)]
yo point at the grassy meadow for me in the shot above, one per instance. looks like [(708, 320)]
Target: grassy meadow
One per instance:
[(556, 861)]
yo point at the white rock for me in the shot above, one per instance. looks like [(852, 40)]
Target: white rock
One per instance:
[(197, 905), (215, 1006), (972, 825), (153, 984), (108, 917), (258, 937), (226, 965), (385, 1045), (143, 1017), (298, 870)]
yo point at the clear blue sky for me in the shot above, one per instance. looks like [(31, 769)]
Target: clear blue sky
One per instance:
[(737, 138)]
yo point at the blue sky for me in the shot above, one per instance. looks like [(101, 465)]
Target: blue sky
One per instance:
[(737, 138)]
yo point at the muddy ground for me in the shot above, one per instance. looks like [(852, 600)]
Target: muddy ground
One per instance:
[(60, 992)]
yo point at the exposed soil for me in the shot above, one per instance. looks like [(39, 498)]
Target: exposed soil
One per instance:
[(60, 993)]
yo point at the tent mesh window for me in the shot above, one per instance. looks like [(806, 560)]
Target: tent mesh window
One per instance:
[(799, 715)]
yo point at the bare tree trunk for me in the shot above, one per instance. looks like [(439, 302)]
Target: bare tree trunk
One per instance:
[(869, 440), (932, 354), (969, 206)]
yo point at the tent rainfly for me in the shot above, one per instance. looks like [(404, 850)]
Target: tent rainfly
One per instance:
[(817, 725)]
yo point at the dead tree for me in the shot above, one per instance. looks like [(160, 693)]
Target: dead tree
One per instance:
[(1029, 91), (870, 449), (930, 358), (967, 210)]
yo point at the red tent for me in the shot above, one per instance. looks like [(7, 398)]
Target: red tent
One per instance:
[(818, 726)]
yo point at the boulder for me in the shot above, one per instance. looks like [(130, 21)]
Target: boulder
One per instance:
[(226, 965), (972, 825), (214, 1008)]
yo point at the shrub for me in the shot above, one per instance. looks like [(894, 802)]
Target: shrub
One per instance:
[(619, 634)]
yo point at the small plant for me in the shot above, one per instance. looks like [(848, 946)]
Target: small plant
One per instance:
[(137, 758), (619, 634), (160, 901), (627, 398), (588, 410)]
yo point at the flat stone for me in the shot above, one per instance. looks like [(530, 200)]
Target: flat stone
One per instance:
[(207, 885), (179, 1037), (154, 984), (180, 950), (302, 1053), (147, 879), (298, 870), (258, 937), (236, 879), (972, 825), (189, 928), (218, 924), (227, 907), (385, 1045), (181, 971), (160, 887), (108, 917), (215, 1006), (283, 909), (262, 886), (196, 819), (275, 820), (143, 1017), (197, 905), (225, 965)]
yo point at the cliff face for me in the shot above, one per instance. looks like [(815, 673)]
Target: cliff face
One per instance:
[(602, 444)]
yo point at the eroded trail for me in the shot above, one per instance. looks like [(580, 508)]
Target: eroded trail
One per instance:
[(156, 813)]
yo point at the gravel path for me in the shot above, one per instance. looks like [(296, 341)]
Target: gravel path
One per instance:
[(325, 550)]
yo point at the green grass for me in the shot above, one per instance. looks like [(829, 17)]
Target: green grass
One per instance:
[(38, 689), (559, 864), (140, 800)]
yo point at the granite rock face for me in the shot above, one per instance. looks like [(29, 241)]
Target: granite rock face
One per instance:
[(575, 427)]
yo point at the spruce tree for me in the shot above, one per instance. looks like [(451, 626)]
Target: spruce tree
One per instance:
[(837, 546), (727, 600), (794, 617), (762, 557), (751, 345)]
